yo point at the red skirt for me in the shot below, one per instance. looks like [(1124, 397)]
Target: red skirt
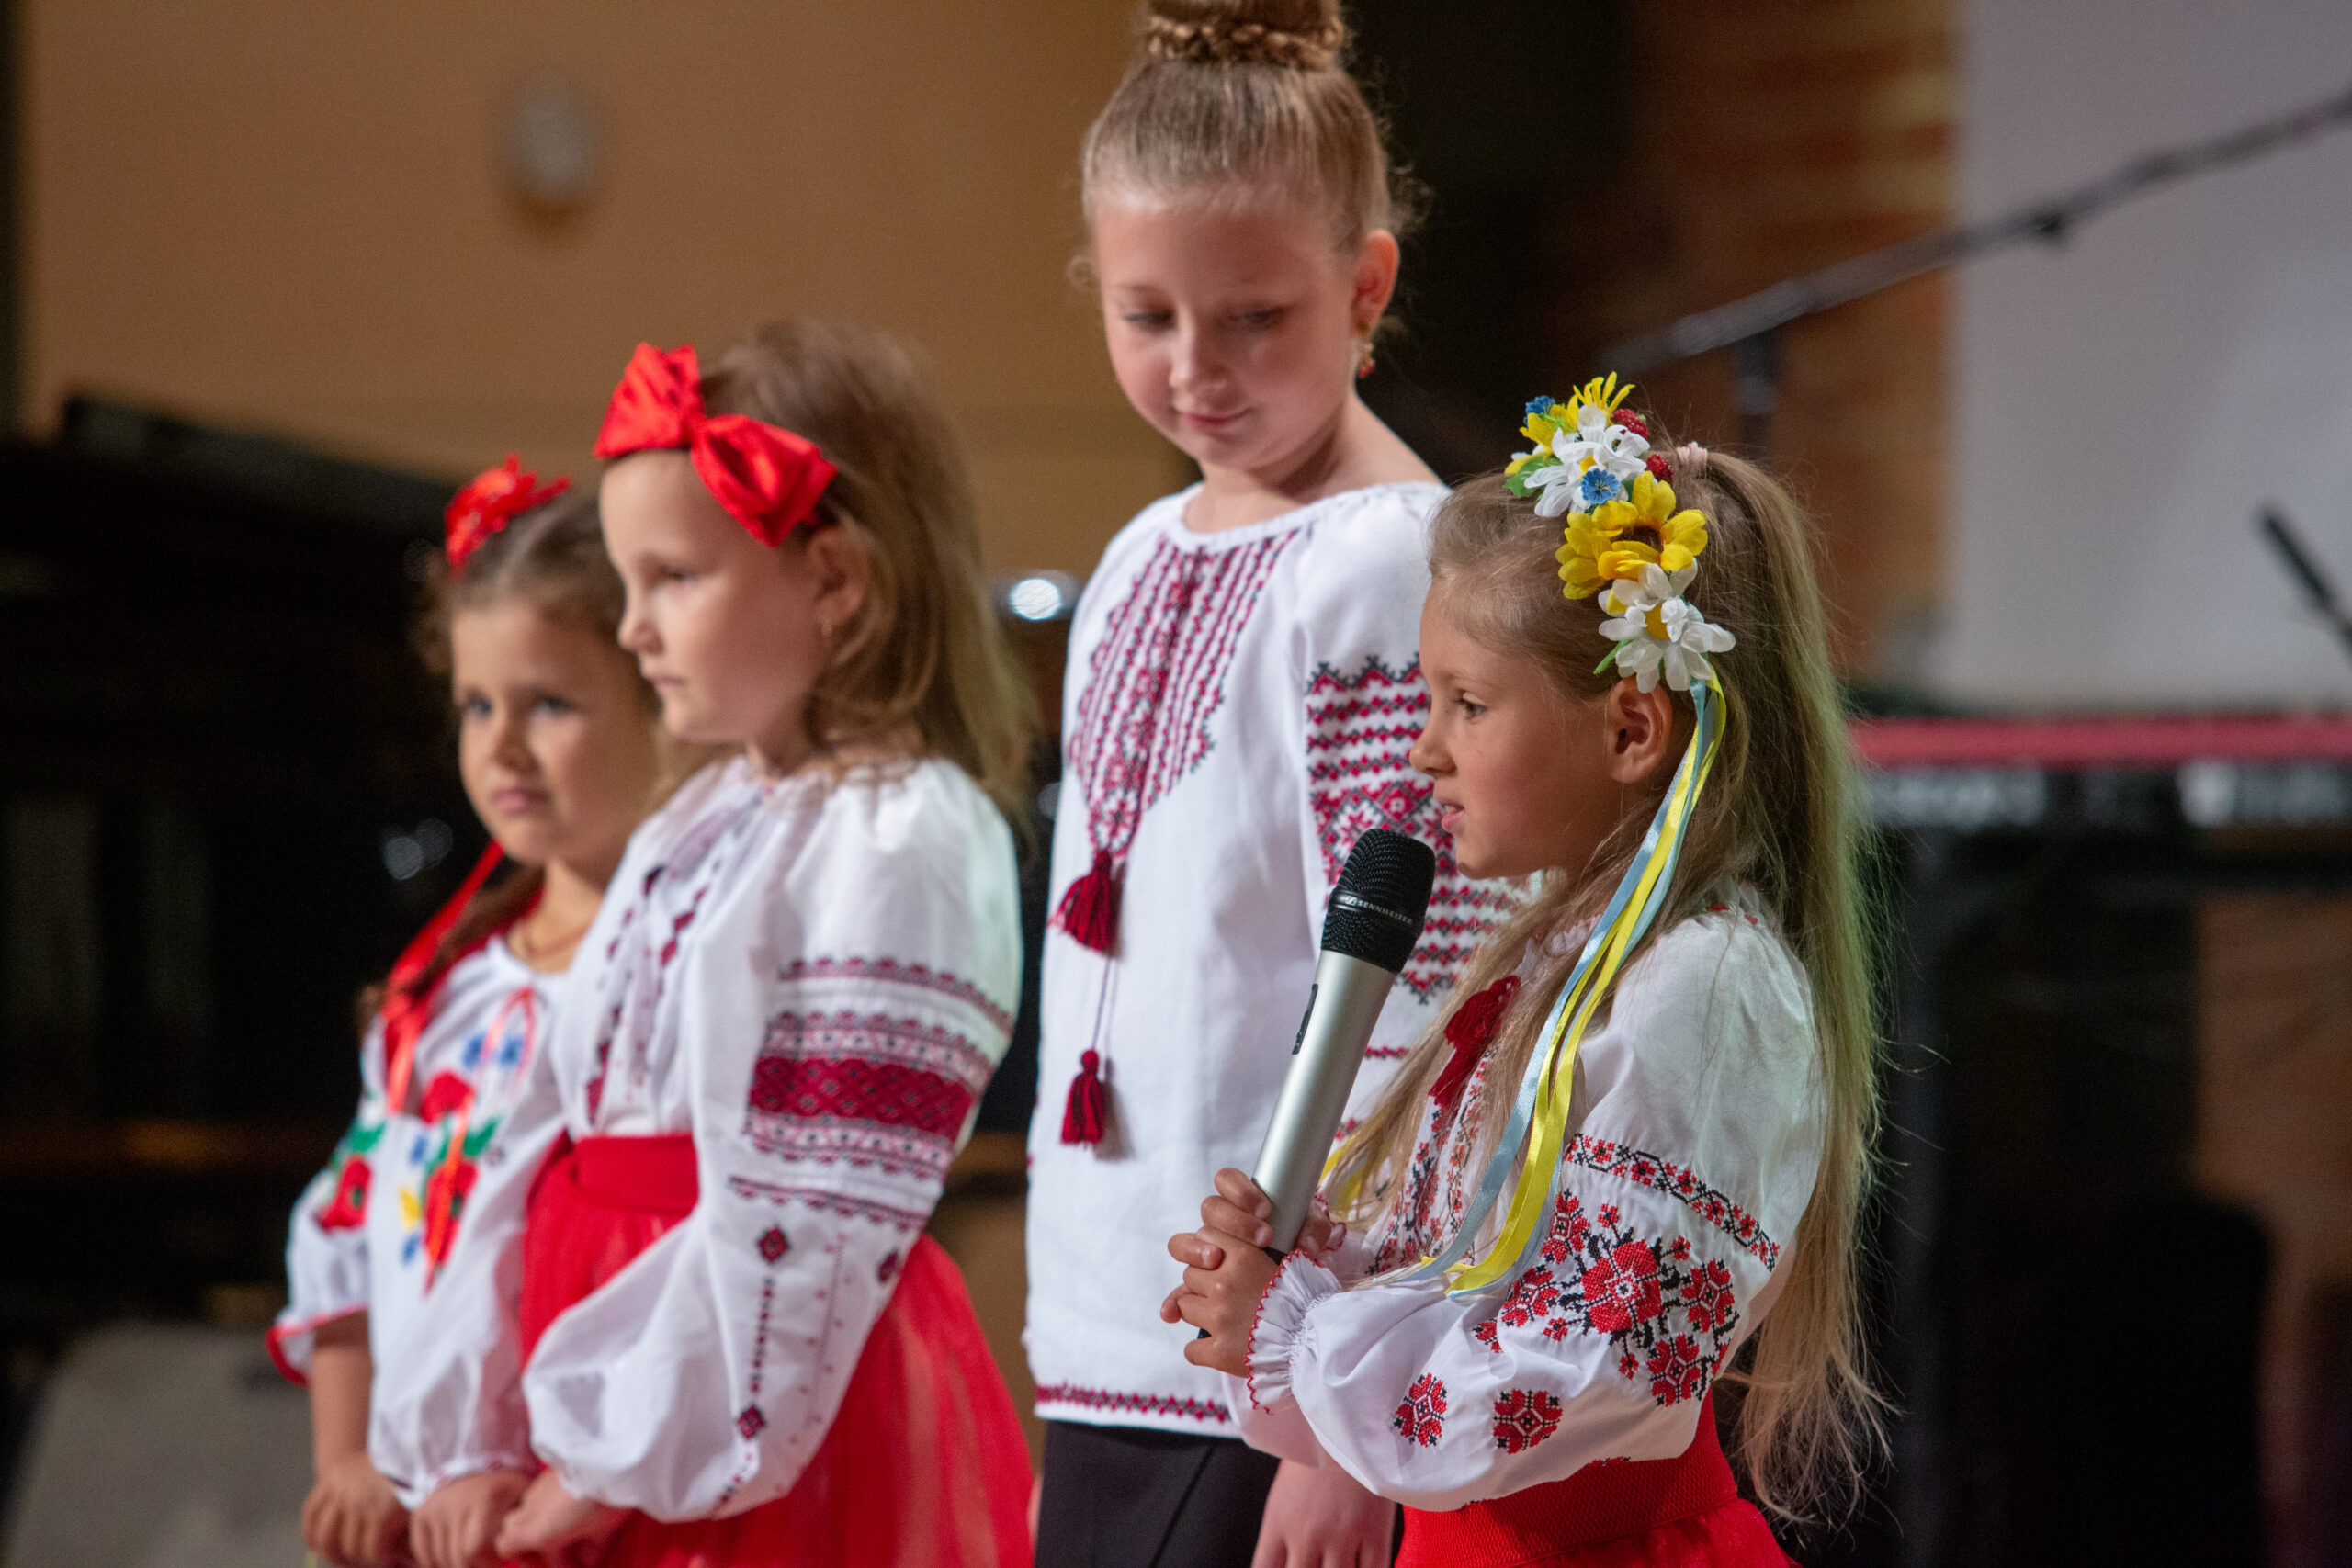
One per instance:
[(1667, 1513), (924, 1464)]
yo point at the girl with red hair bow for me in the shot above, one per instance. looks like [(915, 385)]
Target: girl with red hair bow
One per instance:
[(561, 753), (732, 1342)]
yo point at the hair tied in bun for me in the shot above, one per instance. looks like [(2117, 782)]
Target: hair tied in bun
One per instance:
[(1227, 40)]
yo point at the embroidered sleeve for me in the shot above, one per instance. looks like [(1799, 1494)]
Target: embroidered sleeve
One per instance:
[(326, 1240), (838, 1029), (1655, 1263), (1364, 705), (447, 1400)]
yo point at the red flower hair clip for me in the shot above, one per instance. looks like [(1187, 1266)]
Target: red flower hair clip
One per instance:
[(491, 500), (768, 477)]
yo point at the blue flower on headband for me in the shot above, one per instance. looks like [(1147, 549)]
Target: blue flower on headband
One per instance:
[(1539, 405), (1598, 486)]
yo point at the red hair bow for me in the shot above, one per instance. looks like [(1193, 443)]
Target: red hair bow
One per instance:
[(768, 477), (491, 500)]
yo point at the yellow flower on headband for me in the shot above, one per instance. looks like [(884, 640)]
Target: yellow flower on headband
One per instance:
[(1588, 560), (1649, 504)]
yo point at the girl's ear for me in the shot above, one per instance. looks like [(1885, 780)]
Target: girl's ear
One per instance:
[(837, 566), (1640, 730), (1376, 279)]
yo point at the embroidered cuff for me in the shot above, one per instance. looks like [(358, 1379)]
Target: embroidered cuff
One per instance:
[(1297, 1286)]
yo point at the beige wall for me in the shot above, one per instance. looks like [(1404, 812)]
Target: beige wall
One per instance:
[(289, 217)]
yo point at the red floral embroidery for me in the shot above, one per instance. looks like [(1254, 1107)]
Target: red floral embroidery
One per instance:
[(1622, 1289), (347, 1208), (1668, 1316), (1524, 1417), (1680, 1183), (1421, 1417), (1360, 725), (444, 1201), (445, 1096)]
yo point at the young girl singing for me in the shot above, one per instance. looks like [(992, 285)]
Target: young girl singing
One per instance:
[(1244, 681), (559, 748), (1636, 1147), (741, 1348)]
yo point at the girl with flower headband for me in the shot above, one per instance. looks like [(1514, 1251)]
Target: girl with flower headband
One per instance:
[(1243, 684), (715, 1317), (560, 751), (1628, 1164)]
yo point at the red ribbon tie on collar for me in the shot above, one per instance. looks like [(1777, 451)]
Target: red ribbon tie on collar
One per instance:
[(768, 477), (490, 500)]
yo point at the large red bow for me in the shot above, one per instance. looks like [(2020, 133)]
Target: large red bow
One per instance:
[(766, 476), (491, 500)]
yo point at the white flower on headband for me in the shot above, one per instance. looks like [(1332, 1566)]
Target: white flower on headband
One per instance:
[(1665, 637), (1650, 588), (1595, 461)]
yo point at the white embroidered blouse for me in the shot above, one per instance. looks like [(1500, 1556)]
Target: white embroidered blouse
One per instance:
[(1695, 1135), (816, 979), (373, 1229), (1237, 711)]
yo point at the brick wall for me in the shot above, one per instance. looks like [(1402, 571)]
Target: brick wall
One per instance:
[(1783, 135)]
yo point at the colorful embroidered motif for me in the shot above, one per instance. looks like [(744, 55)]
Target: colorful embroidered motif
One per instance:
[(1680, 1183), (751, 1422), (1204, 1410), (347, 1207), (1154, 680), (1598, 1278), (1524, 1417), (1421, 1418), (1360, 726), (773, 1244), (871, 1090)]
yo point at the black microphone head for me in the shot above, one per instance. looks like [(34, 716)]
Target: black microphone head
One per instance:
[(1376, 911)]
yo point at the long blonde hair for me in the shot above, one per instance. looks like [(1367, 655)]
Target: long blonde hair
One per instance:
[(1780, 812), (925, 648)]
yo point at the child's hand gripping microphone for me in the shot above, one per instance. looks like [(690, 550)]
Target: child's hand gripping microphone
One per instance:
[(1369, 928)]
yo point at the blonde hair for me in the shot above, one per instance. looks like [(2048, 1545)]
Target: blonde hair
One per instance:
[(924, 649), (1247, 96), (1780, 813)]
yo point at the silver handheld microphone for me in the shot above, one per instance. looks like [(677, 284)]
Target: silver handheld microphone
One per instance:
[(1369, 929)]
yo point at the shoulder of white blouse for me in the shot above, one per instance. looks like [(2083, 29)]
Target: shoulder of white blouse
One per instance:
[(1726, 958)]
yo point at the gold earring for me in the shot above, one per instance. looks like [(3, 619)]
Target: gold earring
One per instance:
[(1363, 358)]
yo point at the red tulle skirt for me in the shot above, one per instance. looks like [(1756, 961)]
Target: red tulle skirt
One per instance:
[(1667, 1513), (924, 1464)]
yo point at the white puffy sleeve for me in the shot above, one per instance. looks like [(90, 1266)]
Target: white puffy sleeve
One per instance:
[(326, 1240), (448, 1399), (1359, 582), (1693, 1157), (838, 1024)]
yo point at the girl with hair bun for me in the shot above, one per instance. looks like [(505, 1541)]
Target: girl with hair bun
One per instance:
[(1244, 680), (560, 747)]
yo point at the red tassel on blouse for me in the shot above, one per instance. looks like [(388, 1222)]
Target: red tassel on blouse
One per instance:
[(1084, 1115), (1089, 909), (1470, 1031)]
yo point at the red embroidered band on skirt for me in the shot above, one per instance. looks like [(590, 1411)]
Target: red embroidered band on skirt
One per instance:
[(925, 1463), (1667, 1513)]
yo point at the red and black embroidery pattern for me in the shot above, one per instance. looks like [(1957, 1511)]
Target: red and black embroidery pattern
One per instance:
[(1207, 1411), (872, 1089), (1524, 1417), (1421, 1416), (1156, 678), (1360, 725), (1669, 1313), (1678, 1183), (890, 971)]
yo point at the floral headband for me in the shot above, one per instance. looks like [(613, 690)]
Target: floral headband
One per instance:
[(490, 500), (768, 477), (1592, 460)]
